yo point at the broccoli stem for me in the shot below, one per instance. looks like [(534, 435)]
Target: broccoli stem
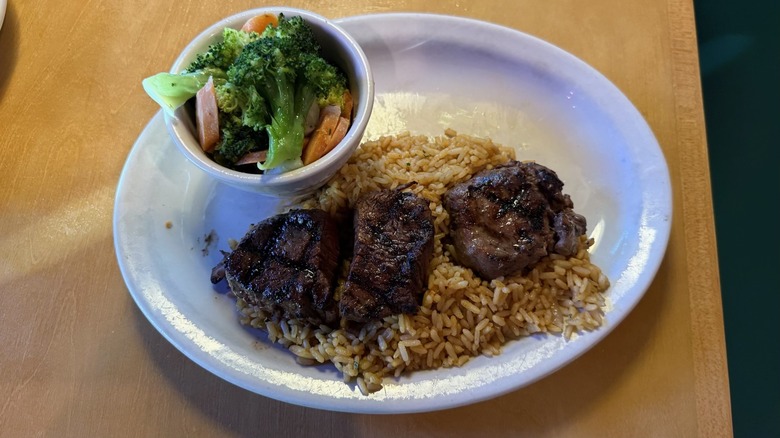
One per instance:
[(286, 131), (171, 91)]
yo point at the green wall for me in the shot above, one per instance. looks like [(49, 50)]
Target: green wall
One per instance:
[(740, 53)]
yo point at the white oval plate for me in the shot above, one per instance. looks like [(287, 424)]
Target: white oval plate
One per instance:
[(3, 5), (440, 72)]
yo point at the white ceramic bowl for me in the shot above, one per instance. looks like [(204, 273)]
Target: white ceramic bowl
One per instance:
[(339, 48)]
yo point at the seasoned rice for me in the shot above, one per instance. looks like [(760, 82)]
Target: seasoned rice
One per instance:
[(461, 316)]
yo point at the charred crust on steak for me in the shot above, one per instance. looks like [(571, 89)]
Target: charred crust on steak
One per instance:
[(287, 264), (392, 251), (504, 220)]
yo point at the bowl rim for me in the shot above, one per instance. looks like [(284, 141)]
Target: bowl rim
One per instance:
[(363, 104)]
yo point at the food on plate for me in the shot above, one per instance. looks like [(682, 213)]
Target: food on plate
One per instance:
[(207, 115), (461, 315), (505, 219), (260, 23), (326, 134), (287, 265), (259, 94), (393, 234)]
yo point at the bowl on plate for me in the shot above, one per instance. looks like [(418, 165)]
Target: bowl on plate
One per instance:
[(339, 48)]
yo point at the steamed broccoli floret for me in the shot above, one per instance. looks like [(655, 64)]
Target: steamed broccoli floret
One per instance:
[(236, 140), (286, 70), (172, 90), (330, 82), (244, 103), (222, 54), (296, 31)]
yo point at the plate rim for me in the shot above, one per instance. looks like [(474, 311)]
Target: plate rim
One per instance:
[(3, 7)]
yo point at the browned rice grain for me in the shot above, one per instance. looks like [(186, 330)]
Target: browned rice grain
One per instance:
[(461, 315)]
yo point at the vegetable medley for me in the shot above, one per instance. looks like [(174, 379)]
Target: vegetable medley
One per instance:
[(265, 98)]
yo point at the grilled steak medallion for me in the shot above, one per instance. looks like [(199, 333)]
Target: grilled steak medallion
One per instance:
[(506, 219), (288, 264), (392, 252)]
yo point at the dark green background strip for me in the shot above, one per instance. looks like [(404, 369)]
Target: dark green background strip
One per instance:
[(739, 47)]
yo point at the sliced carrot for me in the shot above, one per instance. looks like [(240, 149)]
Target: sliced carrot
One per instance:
[(207, 116), (318, 142), (260, 23), (252, 158), (346, 110), (338, 134)]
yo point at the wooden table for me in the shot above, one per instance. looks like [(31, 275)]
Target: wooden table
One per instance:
[(79, 359)]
